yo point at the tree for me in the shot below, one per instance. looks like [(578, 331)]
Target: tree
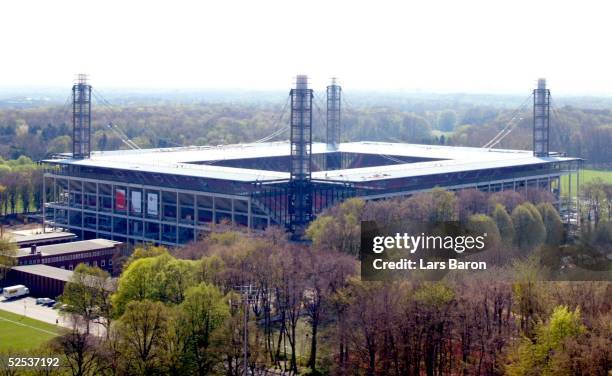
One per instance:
[(161, 278), (444, 203), (536, 358), (326, 273), (79, 350), (509, 199), (504, 223), (339, 228), (447, 120), (603, 233), (552, 223), (144, 330), (471, 201), (8, 250), (480, 224), (200, 315), (415, 129), (87, 295), (145, 251), (529, 229), (3, 201)]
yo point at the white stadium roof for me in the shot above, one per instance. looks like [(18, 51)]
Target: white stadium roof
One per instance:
[(181, 161)]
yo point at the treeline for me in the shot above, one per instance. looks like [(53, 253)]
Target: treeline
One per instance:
[(306, 311), (577, 132), (36, 132), (21, 186), (510, 218)]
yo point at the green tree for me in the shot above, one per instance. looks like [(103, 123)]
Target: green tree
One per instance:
[(480, 224), (529, 229), (161, 278), (202, 312), (504, 223), (145, 251), (8, 250), (339, 229), (552, 223), (87, 294), (536, 357), (444, 204), (144, 331)]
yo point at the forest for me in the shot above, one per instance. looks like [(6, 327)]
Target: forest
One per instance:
[(305, 310), (444, 119)]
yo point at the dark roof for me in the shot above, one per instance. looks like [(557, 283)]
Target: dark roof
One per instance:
[(72, 247), (45, 271)]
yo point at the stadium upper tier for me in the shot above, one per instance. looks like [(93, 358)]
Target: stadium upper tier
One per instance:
[(400, 161)]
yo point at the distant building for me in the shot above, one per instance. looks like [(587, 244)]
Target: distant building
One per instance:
[(94, 252), (43, 280), (46, 238)]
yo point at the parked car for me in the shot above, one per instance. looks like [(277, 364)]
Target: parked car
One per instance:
[(43, 301), (49, 303)]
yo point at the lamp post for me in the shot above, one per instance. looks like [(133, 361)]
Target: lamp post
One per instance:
[(248, 294)]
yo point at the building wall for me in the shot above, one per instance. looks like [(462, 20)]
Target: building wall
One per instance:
[(138, 213), (94, 208), (101, 258), (39, 286)]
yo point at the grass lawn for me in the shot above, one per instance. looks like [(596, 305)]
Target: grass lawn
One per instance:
[(585, 176), (23, 333)]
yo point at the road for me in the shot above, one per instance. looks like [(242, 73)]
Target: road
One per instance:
[(27, 306)]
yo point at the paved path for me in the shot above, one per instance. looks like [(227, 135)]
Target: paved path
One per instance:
[(27, 307)]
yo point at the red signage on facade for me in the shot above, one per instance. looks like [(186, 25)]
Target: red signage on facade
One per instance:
[(120, 199)]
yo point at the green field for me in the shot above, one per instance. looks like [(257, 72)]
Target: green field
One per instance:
[(585, 176), (23, 333)]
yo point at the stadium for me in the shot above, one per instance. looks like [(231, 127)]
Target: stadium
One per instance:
[(172, 196)]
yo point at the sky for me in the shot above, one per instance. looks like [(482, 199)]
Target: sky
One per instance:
[(481, 46)]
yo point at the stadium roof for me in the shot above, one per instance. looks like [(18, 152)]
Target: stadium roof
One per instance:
[(181, 161)]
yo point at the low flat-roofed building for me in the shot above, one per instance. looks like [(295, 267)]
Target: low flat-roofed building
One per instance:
[(47, 238), (44, 280), (41, 280), (94, 252)]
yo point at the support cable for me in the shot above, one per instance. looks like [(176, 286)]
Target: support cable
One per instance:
[(509, 126), (113, 127)]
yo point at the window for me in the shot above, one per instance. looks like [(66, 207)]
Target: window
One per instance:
[(102, 263), (110, 262), (70, 267)]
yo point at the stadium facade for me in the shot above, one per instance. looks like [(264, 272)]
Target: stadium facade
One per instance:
[(172, 196)]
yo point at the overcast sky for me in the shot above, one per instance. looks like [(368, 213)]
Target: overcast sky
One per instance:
[(432, 45)]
